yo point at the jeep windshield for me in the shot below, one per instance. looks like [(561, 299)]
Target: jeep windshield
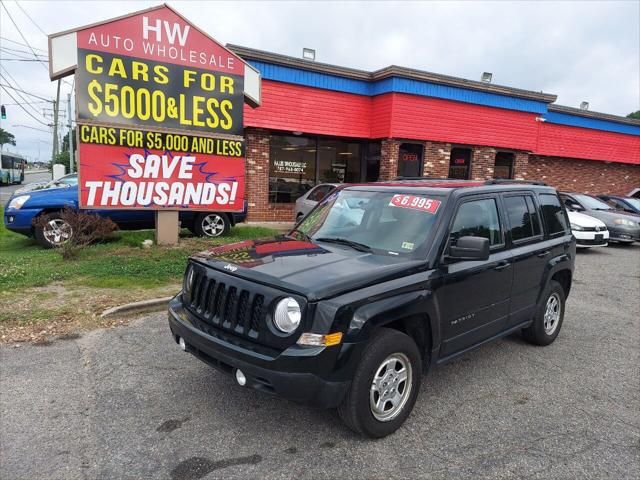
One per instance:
[(385, 223)]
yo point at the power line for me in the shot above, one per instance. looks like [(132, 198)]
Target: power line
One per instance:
[(22, 107), (16, 50), (29, 17), (21, 44), (23, 60), (39, 102), (22, 35), (16, 83), (28, 93)]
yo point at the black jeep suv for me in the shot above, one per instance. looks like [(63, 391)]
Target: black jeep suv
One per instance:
[(375, 285)]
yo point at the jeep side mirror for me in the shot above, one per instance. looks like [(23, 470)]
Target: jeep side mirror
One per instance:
[(576, 207), (470, 248)]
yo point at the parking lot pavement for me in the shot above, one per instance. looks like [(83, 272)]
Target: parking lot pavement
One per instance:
[(127, 403)]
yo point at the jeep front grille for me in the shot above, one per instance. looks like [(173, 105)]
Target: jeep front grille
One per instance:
[(224, 305)]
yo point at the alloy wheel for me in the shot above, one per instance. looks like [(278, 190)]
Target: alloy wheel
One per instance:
[(552, 314), (391, 387), (57, 232), (213, 225)]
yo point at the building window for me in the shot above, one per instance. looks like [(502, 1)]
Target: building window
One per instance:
[(410, 160), (339, 161), (292, 167), (372, 161), (460, 163), (504, 165), (298, 163)]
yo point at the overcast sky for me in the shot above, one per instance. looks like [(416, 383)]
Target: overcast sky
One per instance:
[(576, 50)]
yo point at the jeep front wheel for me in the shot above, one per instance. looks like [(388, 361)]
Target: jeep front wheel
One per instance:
[(385, 385)]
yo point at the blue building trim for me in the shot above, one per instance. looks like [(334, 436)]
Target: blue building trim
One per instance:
[(326, 81), (592, 123), (337, 83)]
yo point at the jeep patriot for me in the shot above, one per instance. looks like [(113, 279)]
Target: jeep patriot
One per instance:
[(377, 284)]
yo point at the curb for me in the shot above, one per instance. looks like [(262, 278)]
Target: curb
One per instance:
[(145, 305)]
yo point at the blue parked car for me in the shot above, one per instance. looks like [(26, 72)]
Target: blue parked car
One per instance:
[(23, 207)]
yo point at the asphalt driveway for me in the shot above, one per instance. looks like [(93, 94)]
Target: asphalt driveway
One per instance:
[(127, 403)]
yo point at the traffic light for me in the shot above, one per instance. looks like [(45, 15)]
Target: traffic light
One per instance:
[(4, 113)]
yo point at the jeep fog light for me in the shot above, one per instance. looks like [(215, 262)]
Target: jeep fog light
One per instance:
[(318, 340), (242, 380), (183, 344), (287, 315)]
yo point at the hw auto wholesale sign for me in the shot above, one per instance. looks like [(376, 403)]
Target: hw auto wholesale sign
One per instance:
[(159, 113)]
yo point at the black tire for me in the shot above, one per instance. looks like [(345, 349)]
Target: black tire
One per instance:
[(536, 332), (45, 239), (356, 410), (212, 225)]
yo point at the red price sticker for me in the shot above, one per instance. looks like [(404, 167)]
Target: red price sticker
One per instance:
[(414, 202)]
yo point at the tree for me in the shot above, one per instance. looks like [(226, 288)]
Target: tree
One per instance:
[(65, 141), (635, 115), (7, 138)]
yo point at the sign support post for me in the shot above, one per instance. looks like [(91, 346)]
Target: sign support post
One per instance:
[(167, 227)]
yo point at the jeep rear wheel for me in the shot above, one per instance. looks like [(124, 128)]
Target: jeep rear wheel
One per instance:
[(385, 386), (548, 317)]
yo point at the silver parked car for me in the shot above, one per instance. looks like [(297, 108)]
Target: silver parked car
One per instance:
[(306, 202)]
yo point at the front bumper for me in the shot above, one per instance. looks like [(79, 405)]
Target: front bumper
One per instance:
[(20, 220), (621, 233), (316, 376), (591, 239)]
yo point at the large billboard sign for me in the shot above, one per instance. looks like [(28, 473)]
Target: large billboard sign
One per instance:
[(160, 113)]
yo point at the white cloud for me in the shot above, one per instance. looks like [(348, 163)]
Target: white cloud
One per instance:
[(577, 50)]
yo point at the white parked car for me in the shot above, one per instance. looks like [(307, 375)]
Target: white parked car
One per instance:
[(306, 202), (589, 231)]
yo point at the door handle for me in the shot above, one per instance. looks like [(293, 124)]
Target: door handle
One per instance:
[(544, 254), (502, 266)]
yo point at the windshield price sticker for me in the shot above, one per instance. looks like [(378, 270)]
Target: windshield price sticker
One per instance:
[(414, 202)]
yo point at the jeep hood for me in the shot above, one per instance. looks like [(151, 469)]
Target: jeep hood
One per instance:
[(313, 270)]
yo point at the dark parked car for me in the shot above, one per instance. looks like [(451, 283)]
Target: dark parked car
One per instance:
[(377, 284), (623, 227), (23, 208), (626, 204)]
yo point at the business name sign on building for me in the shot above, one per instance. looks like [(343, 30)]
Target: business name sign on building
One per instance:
[(159, 113)]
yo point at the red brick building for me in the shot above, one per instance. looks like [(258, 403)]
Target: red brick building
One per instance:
[(324, 123)]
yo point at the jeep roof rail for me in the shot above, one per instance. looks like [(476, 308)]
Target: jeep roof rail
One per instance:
[(507, 181), (437, 179)]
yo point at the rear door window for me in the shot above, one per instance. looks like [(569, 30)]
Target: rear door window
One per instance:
[(523, 218), (553, 214)]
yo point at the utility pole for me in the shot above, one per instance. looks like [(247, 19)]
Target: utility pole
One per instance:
[(56, 106), (71, 156)]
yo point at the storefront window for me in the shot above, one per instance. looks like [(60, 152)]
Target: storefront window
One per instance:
[(292, 168), (410, 160), (372, 161), (297, 163), (460, 163), (504, 165), (339, 161)]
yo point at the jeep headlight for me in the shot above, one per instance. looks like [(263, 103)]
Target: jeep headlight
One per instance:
[(18, 202), (577, 228), (287, 315), (623, 221), (187, 284)]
